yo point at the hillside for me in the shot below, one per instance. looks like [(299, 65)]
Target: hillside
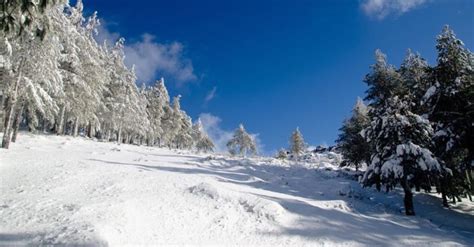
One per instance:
[(61, 190)]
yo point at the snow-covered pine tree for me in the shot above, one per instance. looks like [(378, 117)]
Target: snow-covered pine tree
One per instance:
[(71, 85), (175, 122), (384, 81), (12, 76), (78, 66), (118, 91), (415, 76), (33, 80), (401, 141), (177, 126), (202, 142), (19, 16), (297, 144), (155, 111), (136, 124), (450, 101), (352, 145), (167, 124), (42, 86), (282, 154), (242, 143), (184, 139), (92, 57)]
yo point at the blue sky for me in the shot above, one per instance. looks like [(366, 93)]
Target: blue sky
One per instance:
[(275, 64)]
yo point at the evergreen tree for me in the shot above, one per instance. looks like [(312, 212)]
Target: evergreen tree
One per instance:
[(202, 142), (282, 154), (297, 144), (450, 100), (71, 85), (384, 81), (401, 141), (415, 76), (31, 81), (20, 16), (242, 143), (165, 120), (155, 110), (179, 126), (352, 145)]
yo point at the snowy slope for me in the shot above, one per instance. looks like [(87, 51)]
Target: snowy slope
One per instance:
[(61, 190)]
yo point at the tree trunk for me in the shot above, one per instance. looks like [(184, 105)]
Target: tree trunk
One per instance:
[(16, 124), (7, 124), (107, 135), (445, 200), (119, 135), (65, 123), (470, 183), (378, 184), (60, 125), (408, 200), (89, 130), (11, 102), (76, 127), (45, 125), (151, 141), (442, 185)]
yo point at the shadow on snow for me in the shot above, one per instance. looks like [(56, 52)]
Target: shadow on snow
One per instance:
[(363, 223)]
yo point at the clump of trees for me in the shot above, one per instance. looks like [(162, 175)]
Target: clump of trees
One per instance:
[(203, 142), (297, 147), (417, 130), (354, 147), (56, 78), (297, 144), (242, 143)]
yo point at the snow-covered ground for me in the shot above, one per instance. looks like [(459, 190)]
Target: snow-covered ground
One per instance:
[(61, 190)]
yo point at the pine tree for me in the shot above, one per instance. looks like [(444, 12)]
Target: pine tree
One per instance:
[(384, 81), (155, 110), (352, 145), (242, 143), (451, 110), (401, 141), (31, 82), (19, 16), (69, 84), (202, 142), (415, 76), (205, 145), (297, 144), (282, 154), (184, 138)]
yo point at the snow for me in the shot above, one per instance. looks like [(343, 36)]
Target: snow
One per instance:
[(429, 93), (73, 191)]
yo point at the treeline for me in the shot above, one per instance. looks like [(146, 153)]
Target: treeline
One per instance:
[(417, 129), (56, 78)]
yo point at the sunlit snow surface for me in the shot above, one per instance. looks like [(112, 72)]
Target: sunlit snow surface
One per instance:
[(61, 190)]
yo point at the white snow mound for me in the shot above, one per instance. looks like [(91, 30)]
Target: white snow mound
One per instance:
[(257, 207), (205, 189)]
